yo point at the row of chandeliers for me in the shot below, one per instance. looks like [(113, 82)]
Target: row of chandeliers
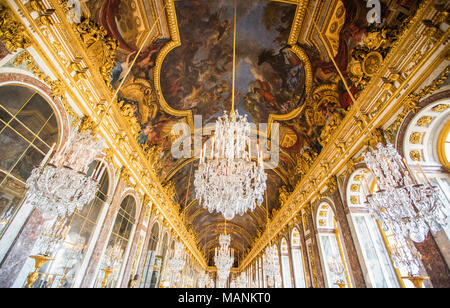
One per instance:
[(230, 182), (63, 184), (402, 205)]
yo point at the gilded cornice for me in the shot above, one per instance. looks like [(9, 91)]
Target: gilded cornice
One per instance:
[(174, 43), (378, 104), (12, 33), (64, 52)]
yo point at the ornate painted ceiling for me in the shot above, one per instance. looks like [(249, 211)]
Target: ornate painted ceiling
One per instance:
[(283, 71)]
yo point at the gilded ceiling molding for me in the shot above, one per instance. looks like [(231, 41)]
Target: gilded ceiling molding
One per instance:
[(298, 20), (174, 43), (12, 33)]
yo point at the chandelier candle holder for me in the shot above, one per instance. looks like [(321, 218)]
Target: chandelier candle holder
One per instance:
[(53, 237), (224, 258), (228, 181), (271, 266), (39, 262), (405, 256), (47, 244), (409, 208), (61, 187)]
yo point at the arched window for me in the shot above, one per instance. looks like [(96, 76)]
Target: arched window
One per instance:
[(28, 129), (285, 265), (151, 256), (119, 239), (63, 271), (297, 259), (426, 149), (164, 251), (331, 251), (376, 259), (165, 245)]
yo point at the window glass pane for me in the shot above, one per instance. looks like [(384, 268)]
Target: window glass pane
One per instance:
[(20, 129), (120, 237), (23, 113), (327, 254), (95, 209), (298, 268), (49, 133), (35, 113), (12, 147), (27, 163), (12, 98), (370, 255), (5, 116), (11, 195)]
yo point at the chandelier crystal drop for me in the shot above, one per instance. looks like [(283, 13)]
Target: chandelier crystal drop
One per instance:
[(405, 256), (271, 265), (62, 187), (53, 237), (224, 258), (409, 208), (227, 180)]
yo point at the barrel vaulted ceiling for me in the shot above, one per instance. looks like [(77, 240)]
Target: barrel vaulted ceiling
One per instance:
[(284, 75)]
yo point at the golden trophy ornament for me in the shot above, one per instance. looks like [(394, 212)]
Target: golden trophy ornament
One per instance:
[(107, 271), (417, 281), (39, 261)]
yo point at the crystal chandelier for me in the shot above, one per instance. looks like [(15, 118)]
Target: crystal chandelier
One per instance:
[(62, 187), (224, 258), (227, 180), (210, 282), (233, 283), (113, 255), (203, 280), (241, 281), (409, 208), (178, 260), (337, 268), (271, 266)]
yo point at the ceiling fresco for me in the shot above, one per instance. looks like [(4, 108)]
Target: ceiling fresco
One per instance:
[(284, 74), (197, 76)]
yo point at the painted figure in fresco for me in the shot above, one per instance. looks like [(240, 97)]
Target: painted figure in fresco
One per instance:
[(279, 63), (216, 29), (147, 58), (120, 70)]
